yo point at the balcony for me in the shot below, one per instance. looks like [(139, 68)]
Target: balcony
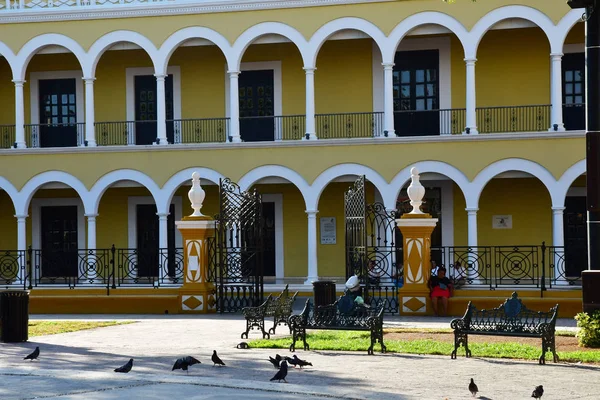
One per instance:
[(530, 118)]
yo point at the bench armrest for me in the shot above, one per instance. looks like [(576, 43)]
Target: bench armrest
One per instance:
[(254, 312)]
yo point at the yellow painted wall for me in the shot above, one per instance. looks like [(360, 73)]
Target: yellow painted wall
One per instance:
[(513, 68), (458, 73), (344, 77), (577, 34), (7, 94), (8, 223), (460, 216)]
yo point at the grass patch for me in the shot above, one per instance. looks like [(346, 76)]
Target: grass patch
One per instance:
[(44, 328), (360, 341)]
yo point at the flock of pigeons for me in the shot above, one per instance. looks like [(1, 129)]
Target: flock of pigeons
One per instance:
[(183, 363), (538, 392)]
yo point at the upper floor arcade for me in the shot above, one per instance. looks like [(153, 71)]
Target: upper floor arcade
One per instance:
[(350, 74)]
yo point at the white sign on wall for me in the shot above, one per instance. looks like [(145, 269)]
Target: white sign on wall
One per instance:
[(502, 222), (328, 232)]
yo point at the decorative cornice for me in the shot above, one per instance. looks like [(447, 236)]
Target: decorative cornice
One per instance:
[(302, 143), (179, 7)]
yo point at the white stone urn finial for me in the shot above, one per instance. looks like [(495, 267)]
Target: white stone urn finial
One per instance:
[(196, 195), (415, 191)]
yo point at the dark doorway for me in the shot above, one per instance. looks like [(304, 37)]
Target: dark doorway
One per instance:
[(145, 109), (58, 113), (59, 242), (416, 93), (268, 212), (149, 256), (256, 106), (573, 81), (575, 228)]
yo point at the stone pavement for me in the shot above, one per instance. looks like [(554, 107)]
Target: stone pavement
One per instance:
[(79, 365)]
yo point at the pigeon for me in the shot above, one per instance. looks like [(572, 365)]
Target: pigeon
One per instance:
[(216, 360), (125, 368), (243, 345), (184, 362), (473, 388), (538, 392), (291, 361), (34, 355), (300, 363), (282, 373), (274, 361)]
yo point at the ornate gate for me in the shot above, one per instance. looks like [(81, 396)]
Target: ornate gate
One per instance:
[(371, 251), (236, 253)]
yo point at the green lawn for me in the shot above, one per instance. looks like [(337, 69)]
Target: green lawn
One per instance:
[(360, 341), (43, 328)]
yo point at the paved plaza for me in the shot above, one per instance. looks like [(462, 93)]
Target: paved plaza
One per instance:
[(80, 365)]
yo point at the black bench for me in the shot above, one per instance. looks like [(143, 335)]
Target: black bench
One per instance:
[(280, 308), (510, 319), (336, 316)]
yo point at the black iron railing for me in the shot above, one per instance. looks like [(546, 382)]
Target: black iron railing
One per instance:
[(429, 122), (279, 127), (349, 125), (533, 118), (121, 133), (7, 136), (109, 268), (55, 135), (202, 130)]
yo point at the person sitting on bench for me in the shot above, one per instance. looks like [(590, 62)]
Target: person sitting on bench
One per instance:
[(441, 289)]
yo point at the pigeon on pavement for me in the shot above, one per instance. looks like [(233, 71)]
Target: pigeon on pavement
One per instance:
[(282, 373), (300, 363), (538, 392), (473, 388), (216, 360), (274, 361), (184, 362), (34, 355), (125, 368)]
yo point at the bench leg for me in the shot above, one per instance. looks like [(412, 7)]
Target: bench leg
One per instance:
[(460, 338), (258, 323), (548, 344), (376, 336), (298, 334)]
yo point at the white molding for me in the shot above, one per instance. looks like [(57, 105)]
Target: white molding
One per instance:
[(275, 66), (36, 215), (131, 73), (277, 198), (132, 202), (574, 48), (35, 77)]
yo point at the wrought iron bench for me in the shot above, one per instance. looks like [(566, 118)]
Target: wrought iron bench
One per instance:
[(510, 319), (280, 308), (336, 316)]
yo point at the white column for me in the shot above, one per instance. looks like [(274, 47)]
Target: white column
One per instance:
[(234, 107), (91, 231), (471, 117), (310, 104), (163, 244), (388, 100), (161, 110), (558, 239), (472, 226), (19, 115), (22, 245), (313, 272), (90, 135), (556, 92)]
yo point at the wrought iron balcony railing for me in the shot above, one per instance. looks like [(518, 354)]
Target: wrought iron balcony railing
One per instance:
[(200, 130), (349, 125), (122, 133), (7, 136), (534, 118), (272, 128), (55, 135)]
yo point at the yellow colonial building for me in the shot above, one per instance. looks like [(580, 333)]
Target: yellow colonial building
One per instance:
[(108, 107)]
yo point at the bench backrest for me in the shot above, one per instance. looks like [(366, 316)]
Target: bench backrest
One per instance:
[(331, 315), (511, 316)]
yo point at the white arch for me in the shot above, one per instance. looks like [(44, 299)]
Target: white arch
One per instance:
[(564, 26), (265, 28), (8, 54), (508, 12), (513, 164), (403, 177), (35, 44), (331, 173), (323, 33), (106, 41), (265, 171), (29, 189), (176, 39), (424, 18), (11, 191), (567, 179), (170, 187), (120, 175)]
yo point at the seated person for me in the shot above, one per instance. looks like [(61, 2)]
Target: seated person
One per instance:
[(460, 275), (441, 289)]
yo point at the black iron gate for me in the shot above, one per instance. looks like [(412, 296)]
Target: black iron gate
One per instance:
[(236, 254), (371, 251)]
